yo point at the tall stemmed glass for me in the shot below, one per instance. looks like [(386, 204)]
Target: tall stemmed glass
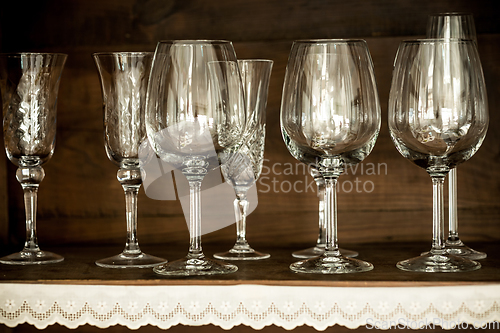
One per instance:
[(330, 118), (124, 79), (321, 241), (255, 74), (451, 26), (29, 84), (195, 120), (438, 118), (454, 25)]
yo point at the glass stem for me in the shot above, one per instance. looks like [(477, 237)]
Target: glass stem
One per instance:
[(195, 250), (131, 181), (30, 178), (321, 214), (241, 209), (453, 206), (330, 216), (437, 214)]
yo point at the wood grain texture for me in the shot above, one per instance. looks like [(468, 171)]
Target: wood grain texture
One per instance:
[(60, 23), (386, 198)]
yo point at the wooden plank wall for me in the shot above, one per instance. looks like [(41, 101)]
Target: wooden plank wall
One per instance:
[(80, 199)]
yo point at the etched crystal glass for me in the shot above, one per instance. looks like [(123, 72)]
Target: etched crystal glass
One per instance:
[(454, 25), (195, 121), (330, 118), (438, 118), (255, 74), (124, 80), (29, 84)]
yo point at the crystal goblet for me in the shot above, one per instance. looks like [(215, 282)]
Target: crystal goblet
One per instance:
[(454, 25), (195, 120), (124, 79), (438, 118), (255, 75), (330, 118), (29, 84)]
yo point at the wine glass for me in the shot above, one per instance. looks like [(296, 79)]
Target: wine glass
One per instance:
[(321, 241), (454, 25), (451, 26), (255, 75), (195, 119), (29, 84), (330, 118), (438, 118), (124, 79)]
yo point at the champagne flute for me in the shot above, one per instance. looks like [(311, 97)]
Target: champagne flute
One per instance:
[(438, 118), (195, 119), (321, 241), (330, 118), (454, 25), (255, 74), (124, 79), (29, 84)]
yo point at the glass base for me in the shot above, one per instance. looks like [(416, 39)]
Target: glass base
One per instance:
[(33, 257), (438, 261), (333, 263), (127, 260), (190, 266), (458, 248), (319, 250), (241, 252)]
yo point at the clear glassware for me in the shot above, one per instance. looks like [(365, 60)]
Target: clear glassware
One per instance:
[(330, 118), (256, 74), (124, 80), (29, 84), (451, 25), (438, 118), (454, 25), (195, 120), (321, 241)]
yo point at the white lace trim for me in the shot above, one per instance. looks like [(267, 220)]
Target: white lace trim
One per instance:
[(256, 306)]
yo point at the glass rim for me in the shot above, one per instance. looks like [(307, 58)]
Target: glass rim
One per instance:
[(422, 41), (451, 14), (133, 53), (20, 54), (256, 60), (331, 41), (195, 42)]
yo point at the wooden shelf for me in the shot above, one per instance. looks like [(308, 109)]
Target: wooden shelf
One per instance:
[(79, 268)]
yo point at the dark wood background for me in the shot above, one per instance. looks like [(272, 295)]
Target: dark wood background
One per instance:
[(80, 200)]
